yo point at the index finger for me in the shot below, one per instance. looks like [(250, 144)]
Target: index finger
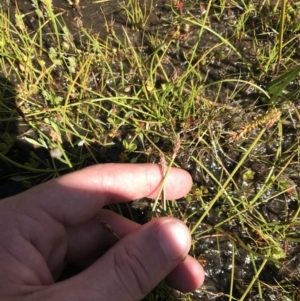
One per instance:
[(77, 197)]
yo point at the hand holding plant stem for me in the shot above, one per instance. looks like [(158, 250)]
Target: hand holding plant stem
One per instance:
[(58, 222)]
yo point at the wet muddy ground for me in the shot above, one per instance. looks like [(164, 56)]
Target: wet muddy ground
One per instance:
[(236, 109)]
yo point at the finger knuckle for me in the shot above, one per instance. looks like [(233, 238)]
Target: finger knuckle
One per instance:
[(131, 270)]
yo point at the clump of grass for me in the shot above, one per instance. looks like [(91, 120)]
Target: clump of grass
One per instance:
[(207, 76)]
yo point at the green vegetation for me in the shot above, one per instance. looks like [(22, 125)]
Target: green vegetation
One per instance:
[(212, 87)]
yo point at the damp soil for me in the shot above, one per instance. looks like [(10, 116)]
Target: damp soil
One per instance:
[(238, 106)]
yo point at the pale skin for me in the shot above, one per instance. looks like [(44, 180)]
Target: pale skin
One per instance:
[(58, 222)]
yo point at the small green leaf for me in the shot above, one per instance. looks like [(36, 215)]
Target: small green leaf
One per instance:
[(141, 136), (278, 253), (34, 142), (130, 147), (248, 175), (277, 85), (4, 148), (56, 129)]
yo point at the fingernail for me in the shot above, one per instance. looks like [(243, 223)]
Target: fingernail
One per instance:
[(173, 239)]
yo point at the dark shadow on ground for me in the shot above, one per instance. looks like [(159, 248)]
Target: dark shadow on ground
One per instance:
[(8, 133)]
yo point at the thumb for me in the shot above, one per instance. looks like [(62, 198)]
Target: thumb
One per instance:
[(137, 263), (134, 266)]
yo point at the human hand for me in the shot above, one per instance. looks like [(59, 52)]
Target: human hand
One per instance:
[(54, 223)]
